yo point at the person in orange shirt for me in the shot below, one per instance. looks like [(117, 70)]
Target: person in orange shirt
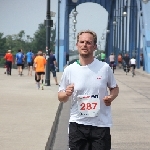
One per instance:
[(9, 61), (39, 64), (119, 60)]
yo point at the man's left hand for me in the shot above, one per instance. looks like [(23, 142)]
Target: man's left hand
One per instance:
[(107, 100)]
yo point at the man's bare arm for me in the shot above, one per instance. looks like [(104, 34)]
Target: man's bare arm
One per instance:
[(113, 94), (63, 96)]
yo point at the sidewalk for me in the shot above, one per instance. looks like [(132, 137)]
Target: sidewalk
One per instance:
[(26, 113), (142, 73)]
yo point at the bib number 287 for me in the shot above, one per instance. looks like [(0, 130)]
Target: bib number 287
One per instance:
[(88, 106)]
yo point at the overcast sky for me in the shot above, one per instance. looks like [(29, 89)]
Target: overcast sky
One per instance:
[(17, 15)]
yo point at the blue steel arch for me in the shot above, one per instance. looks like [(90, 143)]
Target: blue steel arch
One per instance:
[(125, 37), (65, 8)]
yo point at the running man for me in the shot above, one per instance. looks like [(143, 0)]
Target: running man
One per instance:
[(53, 66), (103, 56), (19, 61), (30, 57), (112, 61), (133, 64), (119, 60), (9, 61), (40, 63), (85, 84)]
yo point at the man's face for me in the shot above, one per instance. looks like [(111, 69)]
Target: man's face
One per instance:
[(85, 45)]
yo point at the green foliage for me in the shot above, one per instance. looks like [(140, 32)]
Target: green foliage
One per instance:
[(2, 43)]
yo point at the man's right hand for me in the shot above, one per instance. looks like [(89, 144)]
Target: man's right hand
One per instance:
[(70, 89)]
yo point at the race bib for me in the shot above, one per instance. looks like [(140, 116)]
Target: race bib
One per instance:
[(88, 105)]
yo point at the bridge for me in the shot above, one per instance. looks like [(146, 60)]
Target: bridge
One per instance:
[(34, 119), (128, 26)]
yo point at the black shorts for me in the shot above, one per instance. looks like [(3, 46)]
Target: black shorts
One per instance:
[(112, 62), (30, 63), (40, 73), (132, 65), (23, 65), (87, 137), (52, 69), (19, 64)]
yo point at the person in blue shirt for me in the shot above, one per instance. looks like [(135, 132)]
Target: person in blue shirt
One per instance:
[(19, 61), (53, 66), (30, 57)]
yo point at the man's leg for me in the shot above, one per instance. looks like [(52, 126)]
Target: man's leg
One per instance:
[(101, 138), (42, 80), (78, 136), (20, 69), (134, 69), (38, 79), (28, 69), (10, 68), (31, 70), (54, 76)]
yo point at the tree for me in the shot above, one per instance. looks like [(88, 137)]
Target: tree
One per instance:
[(2, 43), (39, 41)]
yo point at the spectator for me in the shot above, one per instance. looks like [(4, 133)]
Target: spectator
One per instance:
[(53, 66)]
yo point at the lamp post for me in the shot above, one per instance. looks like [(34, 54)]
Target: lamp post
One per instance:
[(59, 1), (49, 23), (74, 14), (133, 26), (124, 15), (104, 34), (103, 37), (47, 75)]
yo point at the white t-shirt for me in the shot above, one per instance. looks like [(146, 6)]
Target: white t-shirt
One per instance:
[(90, 79), (133, 61), (111, 58)]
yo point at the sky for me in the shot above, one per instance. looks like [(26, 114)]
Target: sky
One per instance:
[(17, 15)]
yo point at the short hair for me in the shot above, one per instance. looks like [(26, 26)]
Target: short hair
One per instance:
[(88, 31), (19, 50), (40, 53)]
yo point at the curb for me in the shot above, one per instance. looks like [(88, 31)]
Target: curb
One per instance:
[(51, 138)]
